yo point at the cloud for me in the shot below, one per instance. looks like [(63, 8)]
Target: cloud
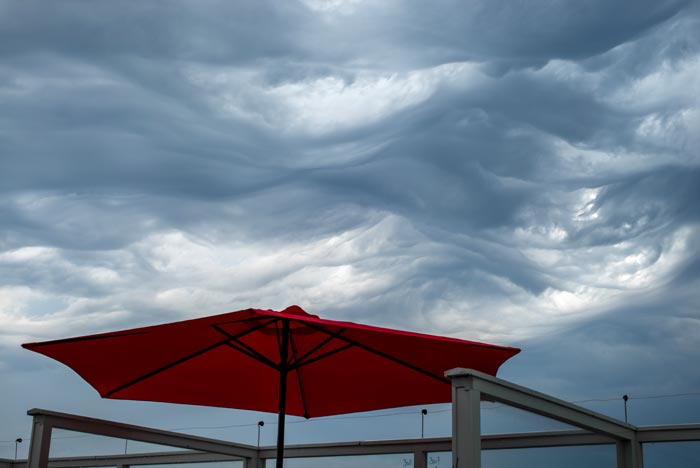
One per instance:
[(236, 32), (318, 105), (506, 35), (523, 174), (638, 348)]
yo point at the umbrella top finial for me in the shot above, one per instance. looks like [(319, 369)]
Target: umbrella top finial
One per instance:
[(296, 310)]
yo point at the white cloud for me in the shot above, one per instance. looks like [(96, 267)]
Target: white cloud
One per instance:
[(341, 7), (330, 103), (672, 83), (27, 254)]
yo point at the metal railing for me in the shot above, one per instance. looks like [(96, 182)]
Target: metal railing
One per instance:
[(466, 443)]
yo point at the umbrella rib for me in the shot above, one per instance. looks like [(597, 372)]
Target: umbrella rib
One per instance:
[(384, 355), (300, 361), (298, 373), (250, 352), (244, 348), (164, 368), (322, 356), (180, 361)]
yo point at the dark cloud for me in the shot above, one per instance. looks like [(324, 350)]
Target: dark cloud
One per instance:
[(507, 35), (644, 204), (185, 31), (639, 349)]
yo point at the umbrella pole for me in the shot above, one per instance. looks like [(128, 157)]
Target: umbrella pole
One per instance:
[(284, 354)]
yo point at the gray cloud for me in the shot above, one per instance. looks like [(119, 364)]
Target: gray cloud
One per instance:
[(238, 32), (506, 35), (640, 349)]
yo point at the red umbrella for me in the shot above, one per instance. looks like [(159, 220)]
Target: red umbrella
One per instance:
[(288, 362)]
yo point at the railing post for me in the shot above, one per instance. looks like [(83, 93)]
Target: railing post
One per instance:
[(258, 461), (420, 459), (629, 454), (466, 420), (40, 443)]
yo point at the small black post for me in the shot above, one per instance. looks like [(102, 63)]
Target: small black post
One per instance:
[(423, 412), (625, 398), (18, 441), (260, 424)]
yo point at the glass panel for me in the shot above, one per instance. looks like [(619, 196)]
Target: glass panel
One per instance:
[(600, 456), (134, 446), (502, 419), (404, 460), (79, 444), (671, 454), (439, 460), (7, 450), (221, 464)]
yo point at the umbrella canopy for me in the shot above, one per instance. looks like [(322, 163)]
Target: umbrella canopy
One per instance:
[(288, 362)]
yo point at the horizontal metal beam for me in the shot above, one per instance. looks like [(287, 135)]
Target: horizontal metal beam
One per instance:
[(542, 439), (675, 433), (532, 401), (76, 423), (360, 448), (442, 444), (156, 458)]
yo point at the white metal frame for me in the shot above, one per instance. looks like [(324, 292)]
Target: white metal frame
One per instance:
[(469, 387), (45, 421)]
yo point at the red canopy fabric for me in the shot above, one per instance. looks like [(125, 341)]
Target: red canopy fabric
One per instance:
[(235, 360)]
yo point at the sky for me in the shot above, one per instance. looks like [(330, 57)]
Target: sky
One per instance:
[(521, 173)]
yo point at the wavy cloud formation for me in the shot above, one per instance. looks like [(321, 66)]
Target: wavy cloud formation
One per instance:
[(524, 173)]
